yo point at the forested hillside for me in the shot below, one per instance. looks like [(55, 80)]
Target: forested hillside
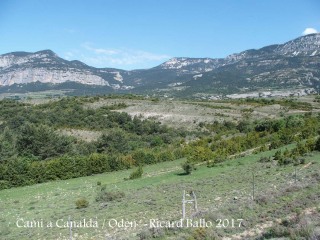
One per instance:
[(33, 150), (34, 147)]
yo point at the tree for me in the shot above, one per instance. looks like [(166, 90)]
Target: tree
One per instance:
[(41, 141), (188, 167), (98, 163), (156, 141), (310, 144), (244, 126), (7, 145), (200, 154), (114, 141), (317, 145)]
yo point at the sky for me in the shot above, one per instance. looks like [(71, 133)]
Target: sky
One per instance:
[(136, 34)]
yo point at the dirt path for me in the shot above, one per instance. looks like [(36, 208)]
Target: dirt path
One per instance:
[(163, 172), (307, 165)]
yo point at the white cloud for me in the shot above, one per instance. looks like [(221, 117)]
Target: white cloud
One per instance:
[(309, 31), (117, 58), (88, 47)]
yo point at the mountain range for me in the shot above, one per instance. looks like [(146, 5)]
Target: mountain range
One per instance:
[(294, 64)]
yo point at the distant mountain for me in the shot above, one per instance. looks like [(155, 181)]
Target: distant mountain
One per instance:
[(46, 67), (292, 64)]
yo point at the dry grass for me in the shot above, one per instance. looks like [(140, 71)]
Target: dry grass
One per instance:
[(80, 134), (189, 114)]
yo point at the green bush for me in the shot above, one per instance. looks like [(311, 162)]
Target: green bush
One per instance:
[(137, 173), (188, 167), (210, 163), (317, 145), (285, 161), (200, 154), (106, 196), (302, 160), (142, 156), (82, 203), (278, 155), (165, 156), (4, 184), (265, 159)]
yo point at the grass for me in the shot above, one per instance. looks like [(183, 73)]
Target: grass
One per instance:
[(158, 194)]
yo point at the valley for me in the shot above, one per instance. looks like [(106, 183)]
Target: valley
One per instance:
[(159, 120), (253, 176)]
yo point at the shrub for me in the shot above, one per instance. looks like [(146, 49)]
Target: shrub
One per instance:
[(178, 153), (290, 229), (275, 144), (210, 163), (200, 154), (203, 233), (165, 156), (296, 161), (277, 155), (199, 233), (263, 148), (145, 234), (106, 196), (261, 200), (137, 173), (219, 159), (285, 161), (265, 159), (4, 184), (317, 145), (82, 203), (103, 187), (188, 167), (143, 157)]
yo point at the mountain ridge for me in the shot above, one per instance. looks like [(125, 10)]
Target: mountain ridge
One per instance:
[(291, 60)]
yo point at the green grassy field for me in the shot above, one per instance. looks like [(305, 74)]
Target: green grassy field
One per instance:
[(223, 192)]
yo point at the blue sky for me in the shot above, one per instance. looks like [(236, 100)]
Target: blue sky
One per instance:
[(132, 34)]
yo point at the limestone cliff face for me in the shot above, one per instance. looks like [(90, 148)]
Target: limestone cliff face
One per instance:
[(49, 76), (45, 66)]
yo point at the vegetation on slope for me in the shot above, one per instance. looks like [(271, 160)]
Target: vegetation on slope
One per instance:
[(32, 151)]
